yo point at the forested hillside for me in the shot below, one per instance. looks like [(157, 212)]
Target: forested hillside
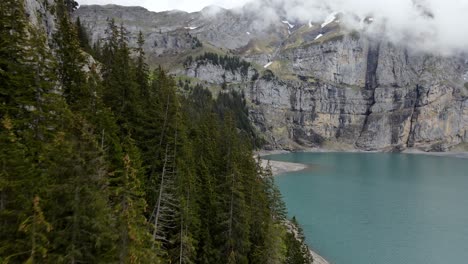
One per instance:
[(112, 164)]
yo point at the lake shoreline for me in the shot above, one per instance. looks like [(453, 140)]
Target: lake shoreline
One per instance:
[(453, 154), (317, 258), (279, 167)]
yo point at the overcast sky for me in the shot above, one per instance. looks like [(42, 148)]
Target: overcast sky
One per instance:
[(162, 5)]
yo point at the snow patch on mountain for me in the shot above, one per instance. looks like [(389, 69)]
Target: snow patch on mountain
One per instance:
[(289, 24), (268, 64), (330, 18), (318, 36)]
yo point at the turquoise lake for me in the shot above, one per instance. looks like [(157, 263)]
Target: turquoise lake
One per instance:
[(379, 208)]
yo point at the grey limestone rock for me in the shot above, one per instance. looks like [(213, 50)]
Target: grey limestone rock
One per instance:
[(339, 90)]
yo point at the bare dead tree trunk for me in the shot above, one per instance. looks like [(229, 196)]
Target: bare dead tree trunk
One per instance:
[(231, 210), (2, 200), (33, 238), (102, 138), (163, 133), (165, 122), (75, 226), (184, 226), (161, 189), (181, 239), (124, 228)]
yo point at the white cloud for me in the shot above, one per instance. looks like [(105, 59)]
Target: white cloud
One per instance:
[(427, 25)]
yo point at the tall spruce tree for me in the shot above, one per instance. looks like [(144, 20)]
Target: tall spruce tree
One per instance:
[(83, 37), (70, 59)]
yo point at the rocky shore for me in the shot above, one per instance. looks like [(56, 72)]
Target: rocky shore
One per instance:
[(462, 154), (279, 167)]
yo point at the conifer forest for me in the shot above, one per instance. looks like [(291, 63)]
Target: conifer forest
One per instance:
[(117, 163)]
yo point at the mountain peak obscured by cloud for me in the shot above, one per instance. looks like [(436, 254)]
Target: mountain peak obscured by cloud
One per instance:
[(427, 25)]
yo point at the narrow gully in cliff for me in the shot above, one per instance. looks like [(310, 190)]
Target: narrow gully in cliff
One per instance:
[(372, 64), (412, 118), (371, 79)]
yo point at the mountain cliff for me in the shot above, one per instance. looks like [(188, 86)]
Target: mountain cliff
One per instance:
[(308, 84)]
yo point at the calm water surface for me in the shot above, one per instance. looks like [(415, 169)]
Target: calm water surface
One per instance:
[(380, 208)]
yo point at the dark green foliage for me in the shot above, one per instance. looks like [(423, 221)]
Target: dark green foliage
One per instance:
[(141, 70), (196, 43), (296, 251), (83, 37), (71, 5), (70, 59), (234, 102), (268, 75), (229, 63), (82, 220), (188, 61), (255, 76), (115, 167), (17, 65)]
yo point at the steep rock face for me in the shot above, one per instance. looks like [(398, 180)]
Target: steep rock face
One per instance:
[(368, 95), (41, 16), (216, 74), (327, 87), (342, 62), (174, 32), (164, 32)]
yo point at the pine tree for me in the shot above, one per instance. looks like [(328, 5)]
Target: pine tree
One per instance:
[(275, 200), (141, 71), (297, 252), (36, 227), (17, 187), (82, 220), (157, 129), (83, 37), (206, 134), (185, 241), (235, 218), (134, 242), (18, 93), (120, 93), (70, 60), (25, 77), (34, 113)]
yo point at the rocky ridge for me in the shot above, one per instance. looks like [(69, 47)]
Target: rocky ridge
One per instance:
[(310, 85)]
